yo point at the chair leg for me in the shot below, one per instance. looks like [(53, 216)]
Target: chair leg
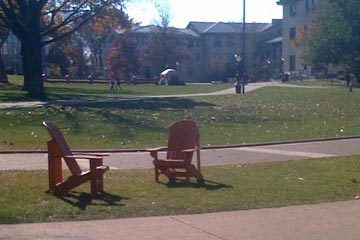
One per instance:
[(94, 185), (101, 183), (156, 174), (188, 176), (95, 177), (195, 173)]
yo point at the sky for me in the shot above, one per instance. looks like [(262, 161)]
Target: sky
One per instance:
[(184, 11)]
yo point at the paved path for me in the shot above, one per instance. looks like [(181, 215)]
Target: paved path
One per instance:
[(328, 221), (209, 157)]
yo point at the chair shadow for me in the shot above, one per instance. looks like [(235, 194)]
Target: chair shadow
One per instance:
[(207, 184), (82, 199)]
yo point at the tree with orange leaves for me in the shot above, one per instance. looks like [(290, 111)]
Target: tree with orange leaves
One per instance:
[(122, 60), (37, 23)]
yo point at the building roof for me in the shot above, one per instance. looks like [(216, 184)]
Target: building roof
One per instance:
[(221, 27), (143, 29), (275, 40), (188, 32), (150, 28), (274, 22), (195, 29), (284, 2)]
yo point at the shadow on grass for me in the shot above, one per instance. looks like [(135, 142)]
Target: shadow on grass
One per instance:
[(137, 103), (111, 112), (207, 184), (82, 200)]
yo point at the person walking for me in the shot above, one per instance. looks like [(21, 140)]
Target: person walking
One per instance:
[(118, 86), (112, 84)]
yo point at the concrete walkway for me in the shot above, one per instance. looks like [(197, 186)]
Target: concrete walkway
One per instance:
[(338, 220), (330, 221), (209, 157)]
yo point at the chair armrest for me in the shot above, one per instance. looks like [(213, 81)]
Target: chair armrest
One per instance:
[(154, 152), (158, 149), (190, 150), (92, 154), (83, 156)]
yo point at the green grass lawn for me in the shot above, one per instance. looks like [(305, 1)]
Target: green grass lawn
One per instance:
[(135, 193), (268, 114)]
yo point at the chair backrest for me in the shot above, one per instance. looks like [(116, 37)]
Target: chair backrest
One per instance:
[(183, 134), (64, 148)]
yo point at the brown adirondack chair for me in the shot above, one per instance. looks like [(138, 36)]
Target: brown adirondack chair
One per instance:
[(183, 142), (58, 149)]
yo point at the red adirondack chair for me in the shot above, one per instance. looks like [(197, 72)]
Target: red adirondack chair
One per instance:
[(183, 142), (58, 149)]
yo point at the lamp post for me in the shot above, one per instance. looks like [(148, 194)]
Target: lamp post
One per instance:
[(237, 64), (240, 61), (268, 62), (244, 74), (178, 68), (282, 69)]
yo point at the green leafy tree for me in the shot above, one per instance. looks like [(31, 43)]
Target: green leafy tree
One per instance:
[(39, 22), (61, 57), (333, 37), (82, 53), (94, 34)]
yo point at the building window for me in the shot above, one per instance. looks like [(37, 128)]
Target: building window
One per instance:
[(307, 6), (273, 54), (217, 55), (292, 9), (190, 43), (230, 42), (313, 5), (217, 41), (292, 33), (190, 72), (230, 57), (292, 66)]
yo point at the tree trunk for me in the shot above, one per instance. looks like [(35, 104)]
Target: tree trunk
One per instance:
[(31, 51), (356, 71), (32, 64), (81, 61), (3, 76)]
